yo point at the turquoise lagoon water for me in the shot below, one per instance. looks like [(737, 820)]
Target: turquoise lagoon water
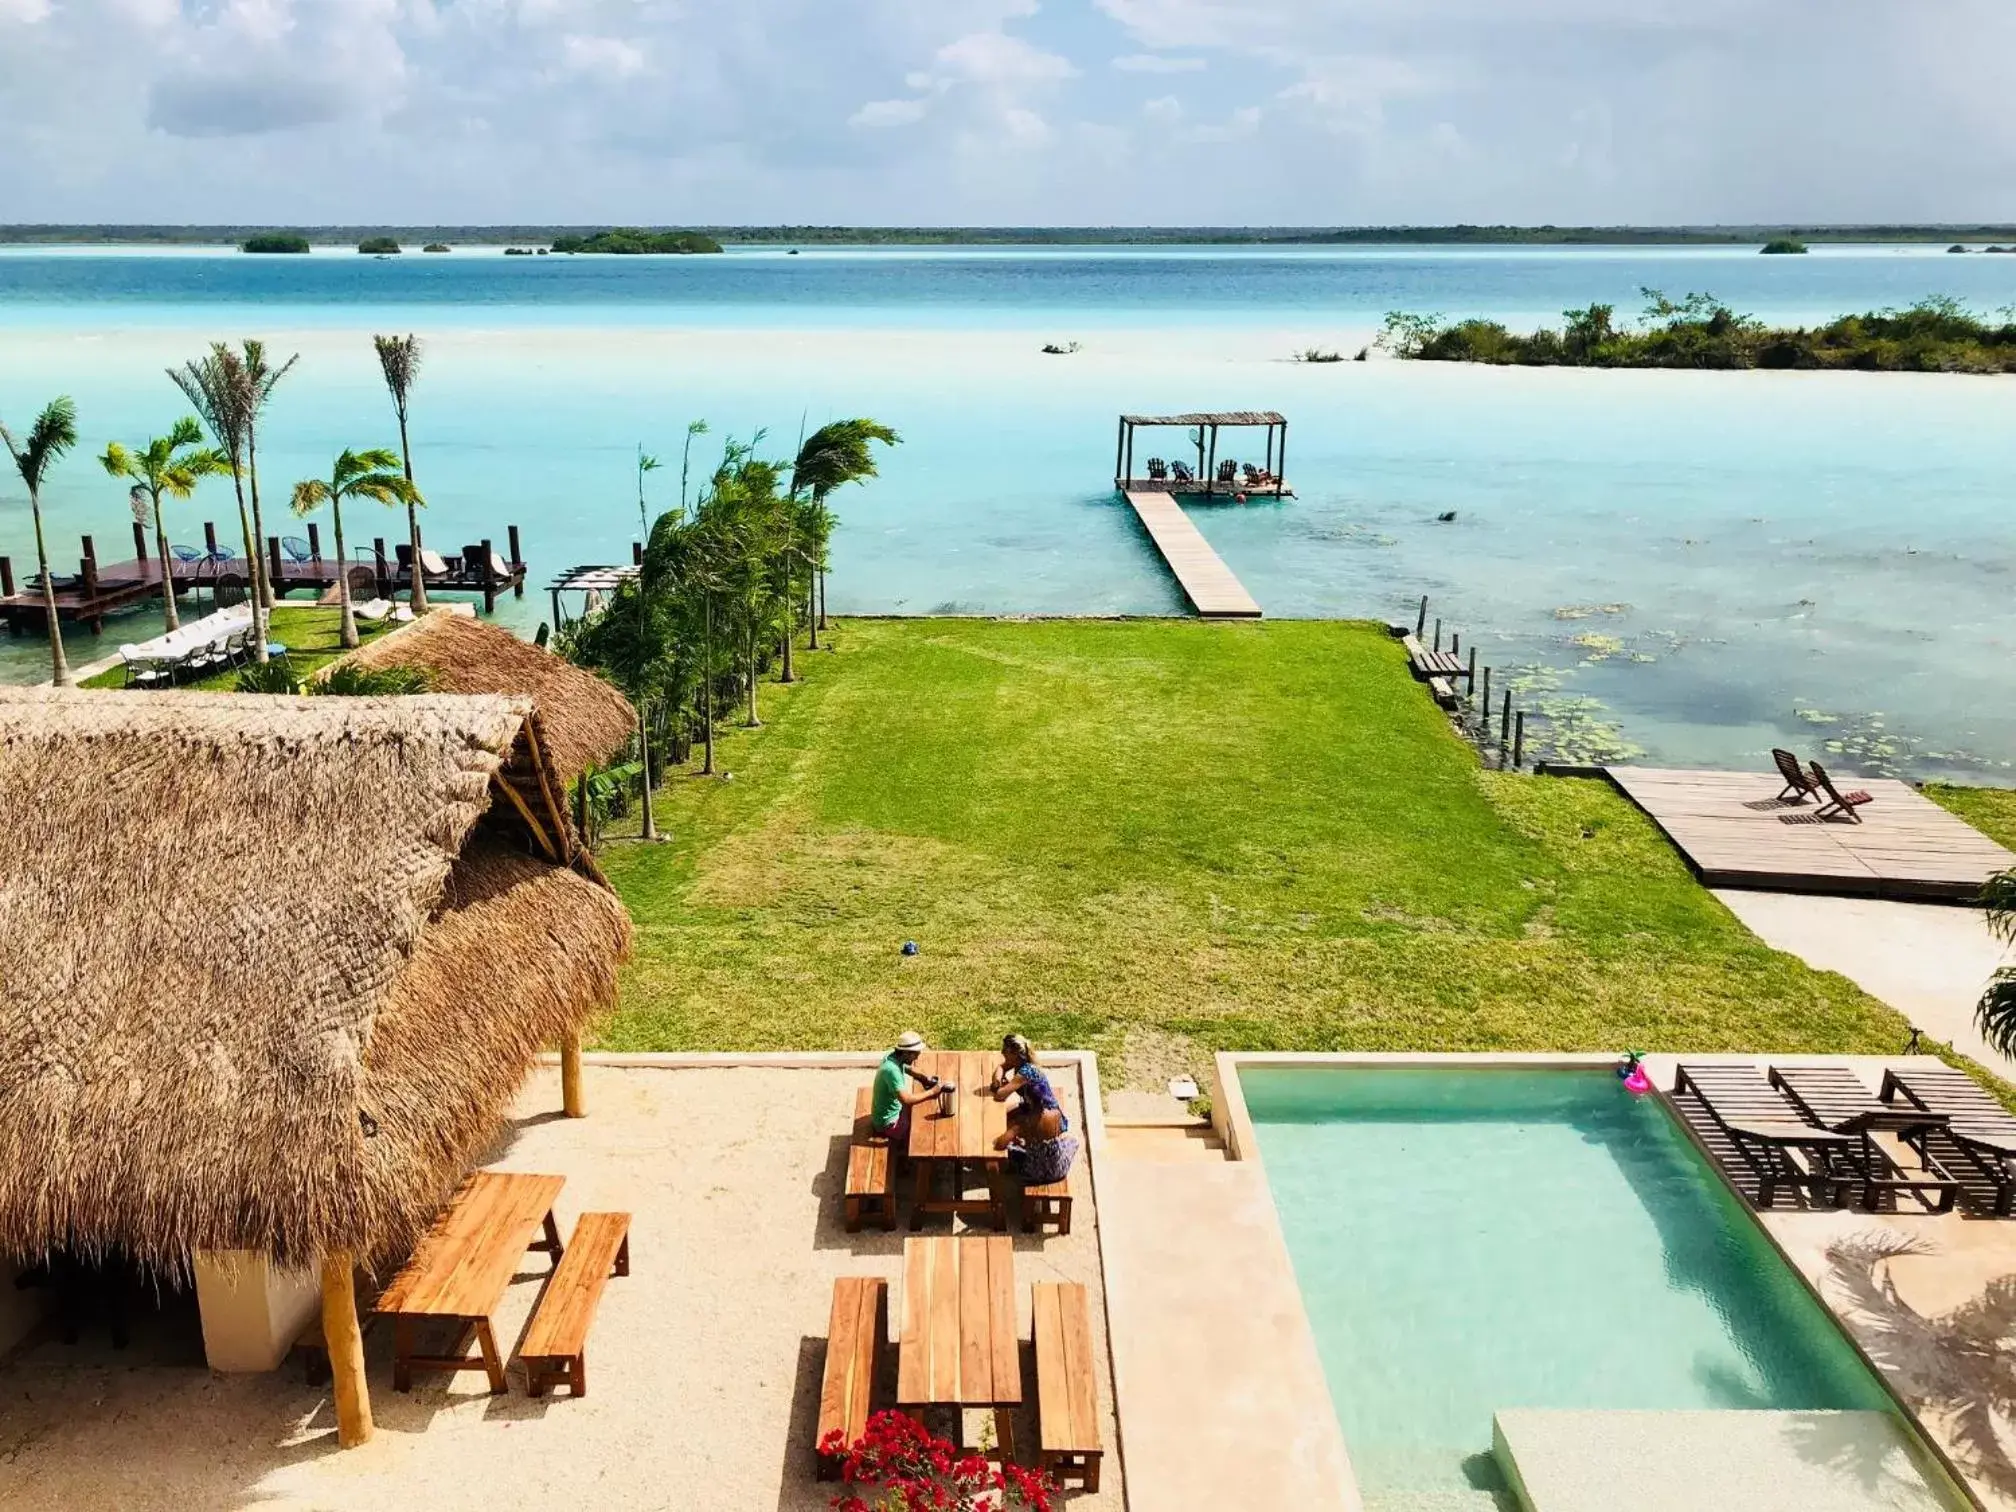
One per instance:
[(1697, 566), (1473, 1240)]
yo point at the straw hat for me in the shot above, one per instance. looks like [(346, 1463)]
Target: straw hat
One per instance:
[(910, 1039)]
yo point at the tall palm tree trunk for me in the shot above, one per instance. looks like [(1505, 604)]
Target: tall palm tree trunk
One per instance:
[(790, 618), (650, 822), (348, 637), (811, 612), (167, 566), (59, 664), (261, 581), (754, 643), (417, 595), (822, 597), (251, 550), (707, 683)]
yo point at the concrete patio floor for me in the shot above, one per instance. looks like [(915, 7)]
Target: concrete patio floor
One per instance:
[(704, 1361)]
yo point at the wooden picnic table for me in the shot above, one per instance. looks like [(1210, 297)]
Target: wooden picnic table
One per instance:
[(460, 1270), (958, 1347), (964, 1138)]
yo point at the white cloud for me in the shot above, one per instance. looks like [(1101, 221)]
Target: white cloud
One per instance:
[(24, 12), (889, 113), (1157, 63), (603, 57), (1000, 61)]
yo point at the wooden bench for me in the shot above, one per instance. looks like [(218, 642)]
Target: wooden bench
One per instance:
[(853, 1355), (1426, 663), (871, 1184), (556, 1342), (1050, 1203), (1067, 1392)]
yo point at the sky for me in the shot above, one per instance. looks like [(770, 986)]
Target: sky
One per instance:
[(991, 112)]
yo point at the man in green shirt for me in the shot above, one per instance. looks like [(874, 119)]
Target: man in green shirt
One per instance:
[(893, 1095)]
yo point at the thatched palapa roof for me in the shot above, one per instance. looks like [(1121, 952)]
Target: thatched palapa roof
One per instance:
[(584, 719), (272, 969)]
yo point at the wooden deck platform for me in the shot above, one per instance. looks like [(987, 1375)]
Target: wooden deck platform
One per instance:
[(1734, 832), (1205, 579)]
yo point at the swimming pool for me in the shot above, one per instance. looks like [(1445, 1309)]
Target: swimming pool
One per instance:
[(1467, 1240)]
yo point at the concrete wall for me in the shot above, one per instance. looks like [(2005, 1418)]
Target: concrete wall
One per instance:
[(252, 1310)]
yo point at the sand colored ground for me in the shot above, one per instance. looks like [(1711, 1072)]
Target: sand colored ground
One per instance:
[(704, 1362)]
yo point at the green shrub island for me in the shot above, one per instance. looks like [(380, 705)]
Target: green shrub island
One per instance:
[(630, 242), (436, 247), (1780, 246), (382, 246), (274, 241), (1937, 335)]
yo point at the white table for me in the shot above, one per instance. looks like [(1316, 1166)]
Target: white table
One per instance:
[(195, 635)]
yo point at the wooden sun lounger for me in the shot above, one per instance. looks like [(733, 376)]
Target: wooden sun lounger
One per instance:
[(1838, 805), (1833, 1097), (1978, 1139), (1798, 785), (1767, 1133)]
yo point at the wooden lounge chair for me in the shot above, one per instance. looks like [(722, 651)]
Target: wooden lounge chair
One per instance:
[(1766, 1132), (1893, 1136), (1158, 470), (1067, 1391), (556, 1343), (1839, 805), (1228, 471), (1798, 785), (1977, 1141), (854, 1334)]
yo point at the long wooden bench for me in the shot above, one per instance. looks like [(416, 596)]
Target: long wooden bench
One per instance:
[(1049, 1203), (871, 1184), (555, 1347), (853, 1355), (1067, 1389)]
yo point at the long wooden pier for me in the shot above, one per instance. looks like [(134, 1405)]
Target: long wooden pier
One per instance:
[(1209, 584)]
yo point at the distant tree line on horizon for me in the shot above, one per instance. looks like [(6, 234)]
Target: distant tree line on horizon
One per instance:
[(501, 235), (1935, 335)]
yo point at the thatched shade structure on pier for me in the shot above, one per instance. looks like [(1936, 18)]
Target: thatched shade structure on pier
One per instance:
[(274, 970), (585, 720)]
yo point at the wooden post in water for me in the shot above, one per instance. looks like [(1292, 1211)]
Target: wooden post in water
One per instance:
[(1421, 619), (315, 548), (383, 569), (345, 1342), (1486, 703), (490, 576), (140, 552), (1471, 676), (6, 577), (273, 561), (1438, 632), (517, 563), (1505, 722), (210, 537), (1456, 643), (1519, 739)]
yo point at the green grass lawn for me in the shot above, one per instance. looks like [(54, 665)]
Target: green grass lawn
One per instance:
[(1990, 810), (310, 632), (1161, 838)]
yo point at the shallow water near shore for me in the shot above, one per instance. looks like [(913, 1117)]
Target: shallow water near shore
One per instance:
[(1694, 566)]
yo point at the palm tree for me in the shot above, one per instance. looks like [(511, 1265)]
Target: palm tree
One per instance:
[(167, 465), (357, 475), (1996, 1012), (53, 433), (399, 358), (221, 390), (646, 464), (262, 380), (834, 455)]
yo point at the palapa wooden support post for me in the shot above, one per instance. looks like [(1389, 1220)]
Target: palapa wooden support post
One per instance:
[(1519, 739), (345, 1341), (210, 537), (1281, 469), (1119, 452), (315, 546), (6, 577), (1421, 619), (140, 546), (570, 1075), (490, 576), (517, 563)]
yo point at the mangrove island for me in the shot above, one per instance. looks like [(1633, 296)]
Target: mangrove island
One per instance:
[(629, 241)]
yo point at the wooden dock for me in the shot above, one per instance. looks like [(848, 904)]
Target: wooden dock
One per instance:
[(1734, 832), (1209, 584)]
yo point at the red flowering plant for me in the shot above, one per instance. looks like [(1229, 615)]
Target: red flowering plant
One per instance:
[(899, 1465)]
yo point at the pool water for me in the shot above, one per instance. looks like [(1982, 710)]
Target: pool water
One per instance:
[(1471, 1240)]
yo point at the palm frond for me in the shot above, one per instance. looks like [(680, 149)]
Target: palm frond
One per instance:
[(1998, 896), (1995, 1014), (310, 494), (399, 359), (53, 433)]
